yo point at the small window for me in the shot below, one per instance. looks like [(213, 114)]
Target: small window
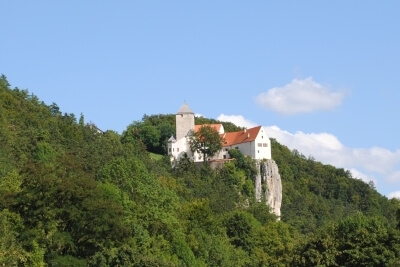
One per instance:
[(177, 150), (169, 149), (258, 151), (173, 149), (237, 147), (259, 145), (265, 144), (224, 156)]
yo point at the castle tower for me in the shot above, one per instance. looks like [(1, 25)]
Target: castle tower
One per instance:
[(184, 121)]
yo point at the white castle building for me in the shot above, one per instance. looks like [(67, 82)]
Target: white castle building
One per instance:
[(252, 142)]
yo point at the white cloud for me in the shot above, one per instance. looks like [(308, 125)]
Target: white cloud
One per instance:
[(394, 177), (368, 164), (307, 142), (359, 175), (238, 120), (328, 149), (300, 96), (395, 194)]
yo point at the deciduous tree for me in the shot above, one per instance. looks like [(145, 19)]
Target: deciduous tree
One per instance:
[(206, 141)]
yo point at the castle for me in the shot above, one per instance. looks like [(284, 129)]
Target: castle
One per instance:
[(252, 142)]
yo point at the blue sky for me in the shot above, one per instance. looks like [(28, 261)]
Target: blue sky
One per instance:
[(322, 76)]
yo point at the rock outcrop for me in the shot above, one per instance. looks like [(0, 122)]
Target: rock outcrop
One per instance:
[(269, 175)]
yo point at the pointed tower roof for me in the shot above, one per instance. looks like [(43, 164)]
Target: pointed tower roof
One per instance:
[(185, 109), (172, 139)]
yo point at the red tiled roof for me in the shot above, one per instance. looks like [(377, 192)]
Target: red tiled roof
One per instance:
[(242, 136), (216, 127)]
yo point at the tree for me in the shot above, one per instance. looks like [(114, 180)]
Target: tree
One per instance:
[(355, 241), (4, 82), (241, 228), (11, 249), (82, 120), (206, 141), (145, 132)]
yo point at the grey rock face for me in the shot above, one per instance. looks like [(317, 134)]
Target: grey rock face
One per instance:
[(269, 175)]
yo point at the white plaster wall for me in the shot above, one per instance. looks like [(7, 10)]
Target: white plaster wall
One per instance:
[(262, 152), (185, 124), (179, 148), (247, 148), (252, 149), (221, 130)]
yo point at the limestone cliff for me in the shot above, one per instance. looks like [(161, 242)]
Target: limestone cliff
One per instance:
[(269, 175)]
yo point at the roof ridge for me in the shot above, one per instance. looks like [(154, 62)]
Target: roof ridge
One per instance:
[(185, 109)]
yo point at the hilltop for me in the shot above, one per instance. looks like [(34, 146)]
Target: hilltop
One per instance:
[(72, 195)]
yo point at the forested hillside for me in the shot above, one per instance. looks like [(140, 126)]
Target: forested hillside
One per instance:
[(73, 195)]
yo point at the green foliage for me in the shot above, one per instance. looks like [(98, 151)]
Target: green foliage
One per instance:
[(241, 229), (44, 153), (315, 194), (72, 195), (12, 252), (228, 126), (354, 241), (4, 82), (36, 257), (247, 164), (153, 131), (143, 132), (206, 141), (261, 212)]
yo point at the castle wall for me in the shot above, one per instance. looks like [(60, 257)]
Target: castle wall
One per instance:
[(262, 146), (178, 148), (184, 125)]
